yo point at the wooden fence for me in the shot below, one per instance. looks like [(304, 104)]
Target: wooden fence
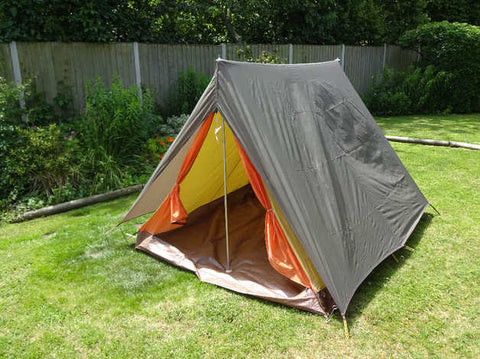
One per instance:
[(56, 67)]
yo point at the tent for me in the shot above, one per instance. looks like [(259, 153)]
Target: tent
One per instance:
[(280, 185)]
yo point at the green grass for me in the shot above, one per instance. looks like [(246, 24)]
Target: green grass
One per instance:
[(461, 128), (67, 291)]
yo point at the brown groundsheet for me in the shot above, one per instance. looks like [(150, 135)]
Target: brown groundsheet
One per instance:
[(199, 246)]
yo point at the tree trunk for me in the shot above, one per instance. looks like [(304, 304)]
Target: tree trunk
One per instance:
[(228, 23)]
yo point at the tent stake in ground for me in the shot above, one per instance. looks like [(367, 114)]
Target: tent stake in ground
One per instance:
[(313, 195)]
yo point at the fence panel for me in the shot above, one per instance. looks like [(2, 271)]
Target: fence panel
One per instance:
[(161, 64), (398, 58), (6, 69), (66, 67), (316, 53), (361, 63)]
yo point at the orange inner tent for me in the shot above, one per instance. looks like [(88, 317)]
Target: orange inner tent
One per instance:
[(200, 182)]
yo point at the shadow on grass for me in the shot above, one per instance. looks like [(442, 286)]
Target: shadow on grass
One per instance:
[(377, 278)]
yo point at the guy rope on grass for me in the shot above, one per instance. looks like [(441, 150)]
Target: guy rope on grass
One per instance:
[(77, 203), (433, 142)]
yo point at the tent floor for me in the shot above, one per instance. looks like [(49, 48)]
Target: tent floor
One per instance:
[(199, 246)]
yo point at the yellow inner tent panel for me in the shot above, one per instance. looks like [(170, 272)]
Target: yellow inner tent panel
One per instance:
[(204, 184)]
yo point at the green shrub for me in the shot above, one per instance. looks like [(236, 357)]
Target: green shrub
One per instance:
[(10, 117), (454, 50), (116, 123), (417, 90), (446, 79), (155, 148), (184, 94), (10, 96), (265, 57), (104, 150), (172, 125), (39, 111), (102, 172), (39, 161)]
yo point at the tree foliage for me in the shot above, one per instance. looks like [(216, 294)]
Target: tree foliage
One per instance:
[(454, 11), (454, 48), (165, 21), (358, 22), (446, 79)]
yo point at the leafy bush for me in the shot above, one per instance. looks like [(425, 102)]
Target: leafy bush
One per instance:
[(116, 123), (104, 173), (114, 144), (39, 112), (156, 148), (417, 90), (39, 161), (446, 79), (172, 125), (265, 57), (104, 150), (185, 92), (10, 96), (10, 117), (452, 48)]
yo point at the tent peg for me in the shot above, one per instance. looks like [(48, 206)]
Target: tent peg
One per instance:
[(345, 327), (409, 249), (395, 257)]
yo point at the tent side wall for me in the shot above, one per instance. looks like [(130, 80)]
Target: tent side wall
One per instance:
[(337, 180)]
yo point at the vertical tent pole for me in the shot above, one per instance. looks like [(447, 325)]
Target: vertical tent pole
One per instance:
[(228, 270)]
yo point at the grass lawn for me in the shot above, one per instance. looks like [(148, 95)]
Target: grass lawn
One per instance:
[(461, 128), (66, 290)]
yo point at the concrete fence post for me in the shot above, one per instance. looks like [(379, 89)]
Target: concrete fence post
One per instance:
[(223, 51), (342, 59), (384, 55), (290, 53), (17, 73), (136, 61)]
